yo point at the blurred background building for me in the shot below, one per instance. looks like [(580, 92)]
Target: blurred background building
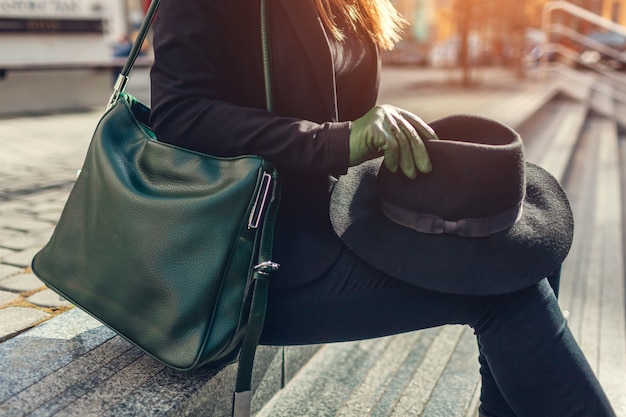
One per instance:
[(493, 27), (41, 40), (61, 53), (41, 32), (47, 32)]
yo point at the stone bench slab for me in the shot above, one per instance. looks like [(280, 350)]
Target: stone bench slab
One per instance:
[(72, 365)]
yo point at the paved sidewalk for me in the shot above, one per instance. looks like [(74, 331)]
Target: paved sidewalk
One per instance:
[(37, 168), (41, 154)]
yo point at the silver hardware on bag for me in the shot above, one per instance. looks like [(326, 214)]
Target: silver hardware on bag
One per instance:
[(241, 405), (265, 268), (118, 89), (259, 203)]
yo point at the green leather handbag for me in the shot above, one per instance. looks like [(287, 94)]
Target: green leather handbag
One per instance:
[(168, 247)]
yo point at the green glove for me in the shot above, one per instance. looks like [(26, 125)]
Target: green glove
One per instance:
[(395, 133)]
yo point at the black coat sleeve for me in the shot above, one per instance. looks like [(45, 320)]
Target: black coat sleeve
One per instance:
[(208, 93)]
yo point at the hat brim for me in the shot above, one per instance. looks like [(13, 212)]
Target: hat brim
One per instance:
[(533, 248)]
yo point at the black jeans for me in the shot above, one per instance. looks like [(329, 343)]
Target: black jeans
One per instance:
[(531, 366)]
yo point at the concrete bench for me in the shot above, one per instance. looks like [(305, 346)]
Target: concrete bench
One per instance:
[(74, 366)]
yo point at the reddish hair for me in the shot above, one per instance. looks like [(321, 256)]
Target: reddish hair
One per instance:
[(378, 18)]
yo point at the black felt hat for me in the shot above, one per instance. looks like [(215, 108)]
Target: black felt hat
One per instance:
[(483, 222)]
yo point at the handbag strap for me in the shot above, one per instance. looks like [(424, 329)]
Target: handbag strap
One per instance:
[(261, 272), (242, 399), (267, 67), (122, 78)]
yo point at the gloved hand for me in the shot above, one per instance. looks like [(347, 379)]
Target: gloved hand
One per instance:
[(395, 133)]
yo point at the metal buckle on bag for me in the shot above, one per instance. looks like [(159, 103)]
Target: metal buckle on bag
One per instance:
[(259, 203), (118, 89), (241, 404), (266, 268)]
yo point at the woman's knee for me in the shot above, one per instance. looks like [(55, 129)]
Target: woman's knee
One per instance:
[(534, 308)]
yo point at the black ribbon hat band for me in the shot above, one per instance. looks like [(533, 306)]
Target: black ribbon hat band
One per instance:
[(435, 225)]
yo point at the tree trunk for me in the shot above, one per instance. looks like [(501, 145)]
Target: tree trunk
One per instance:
[(464, 16), (520, 38)]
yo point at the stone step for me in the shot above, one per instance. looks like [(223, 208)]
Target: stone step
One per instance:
[(592, 290), (551, 137), (72, 365), (430, 372)]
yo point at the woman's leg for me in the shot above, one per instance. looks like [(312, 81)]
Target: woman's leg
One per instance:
[(534, 359), (491, 397)]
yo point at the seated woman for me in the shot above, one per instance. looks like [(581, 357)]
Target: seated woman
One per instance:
[(372, 274)]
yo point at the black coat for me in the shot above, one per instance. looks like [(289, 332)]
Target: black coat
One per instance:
[(208, 95)]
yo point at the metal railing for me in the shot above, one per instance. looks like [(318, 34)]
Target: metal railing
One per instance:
[(548, 28)]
